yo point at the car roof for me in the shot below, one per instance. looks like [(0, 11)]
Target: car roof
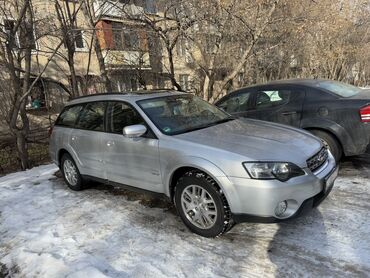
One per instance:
[(296, 81), (125, 96)]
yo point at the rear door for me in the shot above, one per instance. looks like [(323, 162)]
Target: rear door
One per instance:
[(130, 161), (86, 139), (280, 104)]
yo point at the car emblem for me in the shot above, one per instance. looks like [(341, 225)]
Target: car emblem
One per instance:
[(321, 157)]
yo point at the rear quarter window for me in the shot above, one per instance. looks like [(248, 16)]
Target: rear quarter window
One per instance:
[(340, 89), (69, 116)]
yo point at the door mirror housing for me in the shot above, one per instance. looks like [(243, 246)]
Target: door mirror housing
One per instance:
[(134, 131)]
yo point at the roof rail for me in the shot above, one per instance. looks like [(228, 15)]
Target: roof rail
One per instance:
[(126, 93)]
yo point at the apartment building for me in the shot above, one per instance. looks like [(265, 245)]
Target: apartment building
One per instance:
[(131, 54)]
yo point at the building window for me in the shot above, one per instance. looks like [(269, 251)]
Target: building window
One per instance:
[(15, 41), (8, 25), (240, 78), (184, 81), (181, 47), (150, 6), (79, 39), (124, 39), (182, 50), (210, 43), (131, 40)]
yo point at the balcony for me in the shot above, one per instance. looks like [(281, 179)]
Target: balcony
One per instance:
[(115, 9), (119, 59)]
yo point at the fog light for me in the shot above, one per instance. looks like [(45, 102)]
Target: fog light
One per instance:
[(281, 208)]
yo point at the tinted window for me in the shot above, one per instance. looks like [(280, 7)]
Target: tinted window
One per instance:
[(339, 88), (237, 103), (271, 98), (92, 117), (121, 115), (69, 116)]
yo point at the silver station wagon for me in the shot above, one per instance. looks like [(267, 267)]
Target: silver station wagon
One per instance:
[(218, 170)]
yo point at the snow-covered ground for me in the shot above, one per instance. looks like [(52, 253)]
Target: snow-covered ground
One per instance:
[(47, 230)]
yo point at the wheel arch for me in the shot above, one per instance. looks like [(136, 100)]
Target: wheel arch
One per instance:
[(331, 133), (334, 129), (210, 170), (60, 154)]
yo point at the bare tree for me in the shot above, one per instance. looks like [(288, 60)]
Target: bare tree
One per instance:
[(93, 17), (17, 44), (67, 12)]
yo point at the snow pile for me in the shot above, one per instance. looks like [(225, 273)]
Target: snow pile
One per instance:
[(47, 230)]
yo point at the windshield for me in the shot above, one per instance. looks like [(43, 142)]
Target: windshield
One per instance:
[(339, 88), (182, 113)]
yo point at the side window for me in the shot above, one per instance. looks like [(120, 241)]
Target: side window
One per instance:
[(121, 115), (272, 98), (69, 116), (237, 103), (92, 116)]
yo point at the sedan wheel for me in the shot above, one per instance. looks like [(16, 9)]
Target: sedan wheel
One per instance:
[(330, 142)]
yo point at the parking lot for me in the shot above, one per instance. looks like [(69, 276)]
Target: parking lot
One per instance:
[(47, 230)]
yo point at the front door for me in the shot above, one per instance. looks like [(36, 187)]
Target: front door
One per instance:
[(238, 103), (278, 104), (130, 161)]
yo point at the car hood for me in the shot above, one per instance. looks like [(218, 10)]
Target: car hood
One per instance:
[(258, 140)]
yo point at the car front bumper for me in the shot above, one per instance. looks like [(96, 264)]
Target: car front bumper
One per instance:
[(253, 200)]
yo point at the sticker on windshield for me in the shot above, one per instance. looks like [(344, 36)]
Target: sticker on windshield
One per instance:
[(166, 129)]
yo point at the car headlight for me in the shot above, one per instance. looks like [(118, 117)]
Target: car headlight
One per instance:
[(282, 171)]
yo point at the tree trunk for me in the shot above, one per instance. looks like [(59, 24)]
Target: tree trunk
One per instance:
[(72, 71), (22, 151), (206, 84), (172, 68), (102, 68)]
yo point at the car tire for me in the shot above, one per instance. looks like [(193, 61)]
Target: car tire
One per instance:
[(208, 213), (331, 142), (70, 172)]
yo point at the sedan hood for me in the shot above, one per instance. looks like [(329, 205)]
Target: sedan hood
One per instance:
[(258, 140)]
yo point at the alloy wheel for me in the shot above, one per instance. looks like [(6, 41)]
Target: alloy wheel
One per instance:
[(70, 172), (198, 206)]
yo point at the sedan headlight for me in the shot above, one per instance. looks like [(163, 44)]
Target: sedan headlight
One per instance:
[(282, 171)]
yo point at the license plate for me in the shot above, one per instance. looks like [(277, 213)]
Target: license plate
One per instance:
[(329, 181)]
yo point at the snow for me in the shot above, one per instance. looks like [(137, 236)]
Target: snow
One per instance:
[(47, 230)]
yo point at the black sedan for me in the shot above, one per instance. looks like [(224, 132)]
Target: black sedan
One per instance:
[(336, 112)]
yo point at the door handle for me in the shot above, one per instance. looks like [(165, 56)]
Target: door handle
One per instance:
[(289, 113), (110, 143)]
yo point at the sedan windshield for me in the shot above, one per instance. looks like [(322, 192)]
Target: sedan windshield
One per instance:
[(182, 113), (339, 88)]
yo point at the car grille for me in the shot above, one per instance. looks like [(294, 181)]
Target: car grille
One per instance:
[(318, 159)]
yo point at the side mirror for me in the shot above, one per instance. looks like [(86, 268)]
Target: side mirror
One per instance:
[(134, 131)]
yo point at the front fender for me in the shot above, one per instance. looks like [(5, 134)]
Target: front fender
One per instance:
[(205, 166)]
